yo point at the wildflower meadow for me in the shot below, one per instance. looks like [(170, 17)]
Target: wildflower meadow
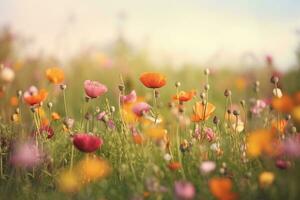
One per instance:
[(118, 126)]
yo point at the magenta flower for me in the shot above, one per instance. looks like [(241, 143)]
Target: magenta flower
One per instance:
[(45, 129), (210, 135), (94, 89), (282, 164), (87, 142), (184, 190), (130, 98), (140, 108), (26, 155), (258, 107)]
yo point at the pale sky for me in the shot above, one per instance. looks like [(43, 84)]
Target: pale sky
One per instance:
[(177, 31)]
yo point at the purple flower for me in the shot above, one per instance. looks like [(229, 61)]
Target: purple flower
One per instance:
[(111, 124), (130, 98), (140, 108), (26, 155), (184, 190), (94, 89)]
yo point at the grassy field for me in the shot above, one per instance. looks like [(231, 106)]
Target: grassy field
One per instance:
[(103, 127)]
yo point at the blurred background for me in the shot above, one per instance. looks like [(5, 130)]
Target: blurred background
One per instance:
[(227, 33), (240, 41)]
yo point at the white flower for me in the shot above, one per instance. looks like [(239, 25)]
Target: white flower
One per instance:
[(207, 166), (167, 157), (277, 92), (7, 75)]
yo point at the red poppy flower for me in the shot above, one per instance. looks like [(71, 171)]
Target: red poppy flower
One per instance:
[(153, 80), (174, 166), (86, 142)]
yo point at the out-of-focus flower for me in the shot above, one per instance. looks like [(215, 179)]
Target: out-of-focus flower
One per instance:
[(258, 107), (167, 157), (185, 96), (7, 75), (238, 126), (55, 75), (45, 129), (130, 98), (153, 80), (94, 89), (55, 116), (174, 166), (14, 101), (153, 185), (68, 122), (296, 114), (33, 96), (277, 93), (210, 135), (141, 108), (207, 167), (241, 83), (260, 141), (221, 188), (156, 132), (202, 112), (69, 182), (279, 125), (137, 138), (291, 146), (184, 190), (266, 179), (284, 104), (282, 164), (92, 169), (101, 115), (87, 142), (26, 155)]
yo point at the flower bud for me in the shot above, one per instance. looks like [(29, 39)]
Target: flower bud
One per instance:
[(206, 71), (112, 109), (206, 87), (121, 87), (177, 84), (236, 113), (274, 79), (63, 86), (49, 105), (227, 93), (277, 92)]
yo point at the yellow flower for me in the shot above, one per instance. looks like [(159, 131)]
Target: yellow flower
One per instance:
[(156, 132), (92, 169), (68, 181), (266, 179), (259, 142), (296, 114), (55, 75)]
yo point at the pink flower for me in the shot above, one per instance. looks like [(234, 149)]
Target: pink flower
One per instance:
[(207, 166), (210, 135), (26, 155), (130, 98), (291, 146), (184, 190), (140, 108), (45, 129), (86, 142), (282, 164), (94, 89), (258, 107), (101, 115)]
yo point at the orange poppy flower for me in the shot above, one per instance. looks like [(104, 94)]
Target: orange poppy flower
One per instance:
[(174, 166), (297, 98), (279, 125), (153, 80), (137, 138), (55, 116), (185, 96), (221, 188), (284, 104), (261, 141), (55, 75), (199, 114), (34, 96)]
